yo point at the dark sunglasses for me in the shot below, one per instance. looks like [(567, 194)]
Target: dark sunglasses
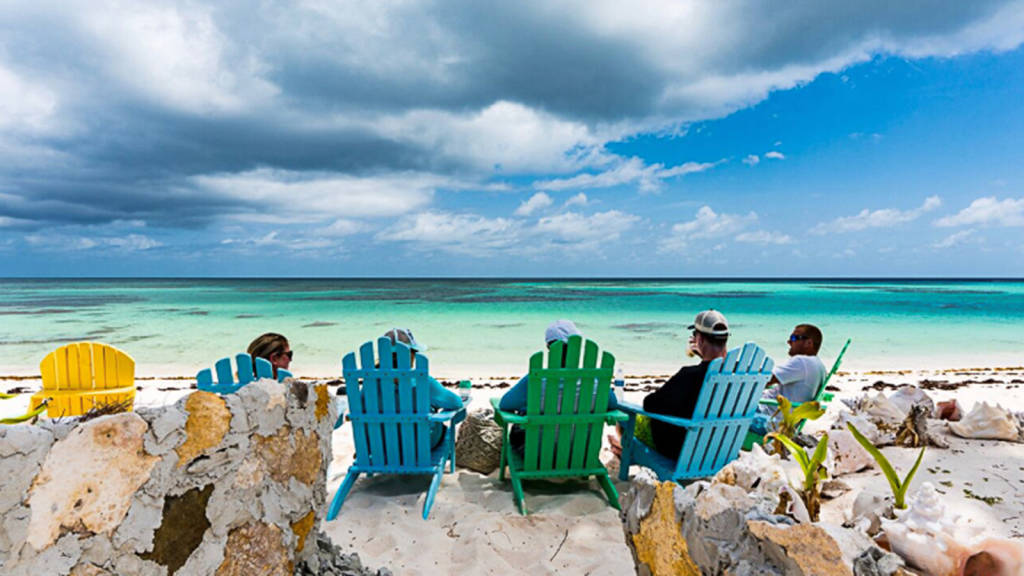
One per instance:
[(798, 337), (290, 354)]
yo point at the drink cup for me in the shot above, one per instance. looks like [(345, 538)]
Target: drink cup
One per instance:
[(465, 387)]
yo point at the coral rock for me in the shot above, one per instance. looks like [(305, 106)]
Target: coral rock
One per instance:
[(255, 549), (208, 421), (291, 455), (660, 544), (478, 446), (88, 479), (808, 546)]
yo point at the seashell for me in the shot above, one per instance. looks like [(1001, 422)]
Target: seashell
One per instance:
[(948, 410), (846, 455), (907, 396), (925, 537), (869, 507), (879, 410), (986, 421), (995, 557), (754, 471)]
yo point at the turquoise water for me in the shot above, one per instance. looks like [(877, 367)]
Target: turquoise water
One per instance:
[(489, 327)]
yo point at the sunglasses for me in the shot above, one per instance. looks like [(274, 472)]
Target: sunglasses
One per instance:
[(290, 354), (798, 337)]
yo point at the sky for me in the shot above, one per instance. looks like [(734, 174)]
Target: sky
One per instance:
[(518, 139)]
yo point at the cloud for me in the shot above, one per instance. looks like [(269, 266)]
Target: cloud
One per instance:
[(577, 200), (160, 110), (60, 242), (629, 171), (481, 237), (988, 211), (775, 155), (884, 218), (536, 202), (709, 226), (751, 160), (954, 239)]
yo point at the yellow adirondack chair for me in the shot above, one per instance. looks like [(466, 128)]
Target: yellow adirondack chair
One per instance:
[(85, 375)]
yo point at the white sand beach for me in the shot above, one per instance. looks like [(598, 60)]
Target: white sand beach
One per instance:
[(475, 528)]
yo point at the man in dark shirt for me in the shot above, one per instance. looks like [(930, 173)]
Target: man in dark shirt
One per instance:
[(678, 396)]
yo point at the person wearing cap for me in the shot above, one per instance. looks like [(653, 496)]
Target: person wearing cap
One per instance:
[(558, 331), (678, 396), (440, 397), (515, 399), (797, 378)]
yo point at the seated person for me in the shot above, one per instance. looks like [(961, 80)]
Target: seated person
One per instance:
[(515, 399), (440, 397), (797, 378), (678, 397), (274, 348)]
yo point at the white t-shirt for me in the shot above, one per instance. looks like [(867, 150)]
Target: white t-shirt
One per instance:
[(799, 377)]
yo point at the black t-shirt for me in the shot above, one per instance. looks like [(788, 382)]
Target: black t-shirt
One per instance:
[(678, 397)]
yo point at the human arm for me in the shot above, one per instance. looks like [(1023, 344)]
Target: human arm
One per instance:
[(442, 398), (515, 399)]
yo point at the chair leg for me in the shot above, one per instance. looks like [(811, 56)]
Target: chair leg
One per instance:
[(504, 461), (609, 490), (433, 490), (339, 496), (626, 459), (517, 494)]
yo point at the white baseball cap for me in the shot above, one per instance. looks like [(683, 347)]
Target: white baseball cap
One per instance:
[(710, 322), (560, 330)]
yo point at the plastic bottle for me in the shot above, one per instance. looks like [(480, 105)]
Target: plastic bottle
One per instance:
[(619, 384)]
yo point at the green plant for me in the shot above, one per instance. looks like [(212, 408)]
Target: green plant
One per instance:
[(790, 418), (814, 470), (899, 489)]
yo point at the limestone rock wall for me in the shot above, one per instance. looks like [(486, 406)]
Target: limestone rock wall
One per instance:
[(721, 529), (219, 485)]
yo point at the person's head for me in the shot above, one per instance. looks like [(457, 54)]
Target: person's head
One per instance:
[(559, 331), (710, 333), (274, 348), (404, 335), (805, 340)]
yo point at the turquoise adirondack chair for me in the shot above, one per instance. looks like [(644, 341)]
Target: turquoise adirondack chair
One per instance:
[(821, 397), (226, 382), (389, 407), (721, 417), (563, 434)]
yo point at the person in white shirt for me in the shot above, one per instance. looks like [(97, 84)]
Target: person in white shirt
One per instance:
[(797, 378)]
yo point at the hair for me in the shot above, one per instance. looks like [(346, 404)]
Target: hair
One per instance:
[(718, 341), (815, 334), (267, 345)]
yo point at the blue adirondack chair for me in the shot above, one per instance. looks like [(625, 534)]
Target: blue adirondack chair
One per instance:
[(726, 405), (226, 383), (389, 407)]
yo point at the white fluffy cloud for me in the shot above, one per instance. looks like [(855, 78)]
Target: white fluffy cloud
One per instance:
[(649, 177), (710, 225), (536, 202), (577, 200), (775, 155), (988, 211), (277, 195), (61, 242), (751, 160), (883, 218), (954, 239)]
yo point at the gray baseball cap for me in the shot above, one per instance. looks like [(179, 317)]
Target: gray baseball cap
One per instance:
[(560, 330), (404, 335), (710, 322)]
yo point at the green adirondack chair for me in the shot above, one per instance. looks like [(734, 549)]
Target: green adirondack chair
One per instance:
[(822, 397), (563, 436)]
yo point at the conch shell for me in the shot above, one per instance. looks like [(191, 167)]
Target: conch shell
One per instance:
[(909, 396), (925, 537), (986, 421)]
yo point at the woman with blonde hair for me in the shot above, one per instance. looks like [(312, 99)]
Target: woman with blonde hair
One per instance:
[(274, 348)]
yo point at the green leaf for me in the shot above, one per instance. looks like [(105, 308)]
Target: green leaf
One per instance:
[(901, 495), (24, 417), (883, 462), (820, 452), (807, 411), (796, 450)]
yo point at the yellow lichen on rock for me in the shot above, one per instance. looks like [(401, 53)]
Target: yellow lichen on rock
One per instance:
[(323, 400), (255, 549), (809, 546), (208, 422), (286, 454), (302, 528), (88, 479), (659, 543)]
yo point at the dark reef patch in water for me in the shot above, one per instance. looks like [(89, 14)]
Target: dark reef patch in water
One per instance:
[(319, 324), (644, 327), (240, 316), (38, 312)]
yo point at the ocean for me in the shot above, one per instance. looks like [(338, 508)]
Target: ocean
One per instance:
[(484, 327)]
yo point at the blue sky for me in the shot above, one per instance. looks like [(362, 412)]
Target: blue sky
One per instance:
[(551, 139)]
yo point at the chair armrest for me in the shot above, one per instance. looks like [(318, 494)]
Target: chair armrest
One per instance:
[(629, 407), (827, 397), (447, 415), (673, 420), (616, 416)]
